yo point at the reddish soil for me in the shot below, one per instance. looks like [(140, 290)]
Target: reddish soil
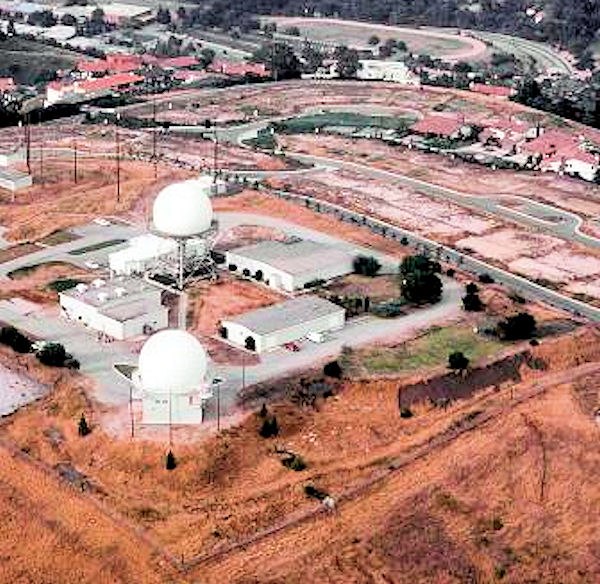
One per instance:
[(498, 496)]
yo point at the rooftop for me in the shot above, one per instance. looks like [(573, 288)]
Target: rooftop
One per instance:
[(438, 125), (294, 257), (112, 294), (286, 314)]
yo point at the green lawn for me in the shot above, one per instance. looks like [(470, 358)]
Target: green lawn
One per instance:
[(430, 350), (58, 237), (308, 123), (96, 247)]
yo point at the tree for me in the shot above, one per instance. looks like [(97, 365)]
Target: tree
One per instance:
[(280, 58), (163, 15), (374, 40), (16, 340), (53, 355), (419, 282), (83, 429), (520, 326), (471, 288), (366, 265), (292, 31), (312, 58), (347, 62), (171, 462), (457, 361), (269, 427), (472, 302), (333, 369), (68, 20)]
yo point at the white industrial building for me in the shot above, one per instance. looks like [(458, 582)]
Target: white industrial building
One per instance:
[(120, 308), (172, 379), (289, 265), (268, 328), (144, 251), (392, 71), (14, 180), (12, 156)]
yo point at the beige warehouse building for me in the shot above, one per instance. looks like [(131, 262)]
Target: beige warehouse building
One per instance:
[(290, 265), (268, 328)]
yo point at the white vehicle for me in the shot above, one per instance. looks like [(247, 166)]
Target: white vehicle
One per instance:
[(316, 337), (91, 265), (102, 222)]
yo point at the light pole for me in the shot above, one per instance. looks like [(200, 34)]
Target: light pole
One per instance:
[(217, 384), (75, 160)]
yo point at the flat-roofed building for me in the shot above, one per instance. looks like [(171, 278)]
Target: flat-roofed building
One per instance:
[(289, 265), (119, 308), (268, 328), (14, 180)]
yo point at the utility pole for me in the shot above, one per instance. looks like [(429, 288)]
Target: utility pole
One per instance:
[(215, 152), (28, 142), (154, 131), (118, 149), (40, 131), (75, 161)]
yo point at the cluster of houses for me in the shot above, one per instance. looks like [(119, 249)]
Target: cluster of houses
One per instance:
[(514, 141), (123, 72)]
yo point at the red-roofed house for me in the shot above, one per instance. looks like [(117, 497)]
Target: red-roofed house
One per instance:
[(494, 90), (239, 69), (57, 91), (443, 126), (123, 63), (181, 62), (91, 67), (549, 143)]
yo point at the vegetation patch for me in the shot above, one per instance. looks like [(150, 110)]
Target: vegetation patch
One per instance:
[(430, 350), (96, 247)]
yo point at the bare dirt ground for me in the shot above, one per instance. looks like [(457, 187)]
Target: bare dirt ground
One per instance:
[(59, 202), (210, 303), (33, 285), (470, 503)]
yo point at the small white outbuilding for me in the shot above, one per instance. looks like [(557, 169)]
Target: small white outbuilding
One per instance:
[(172, 378), (268, 328)]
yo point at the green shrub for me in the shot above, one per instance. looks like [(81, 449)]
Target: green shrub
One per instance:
[(366, 266), (171, 462), (83, 428), (269, 427), (294, 462), (389, 309), (333, 369), (457, 361), (53, 355), (14, 339), (315, 493), (406, 413)]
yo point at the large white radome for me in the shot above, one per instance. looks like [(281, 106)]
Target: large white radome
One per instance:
[(172, 361), (184, 209)]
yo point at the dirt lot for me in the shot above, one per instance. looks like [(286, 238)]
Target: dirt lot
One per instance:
[(59, 202), (33, 285), (210, 303), (494, 498)]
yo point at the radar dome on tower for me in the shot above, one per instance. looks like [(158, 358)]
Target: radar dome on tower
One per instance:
[(172, 361), (184, 209)]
